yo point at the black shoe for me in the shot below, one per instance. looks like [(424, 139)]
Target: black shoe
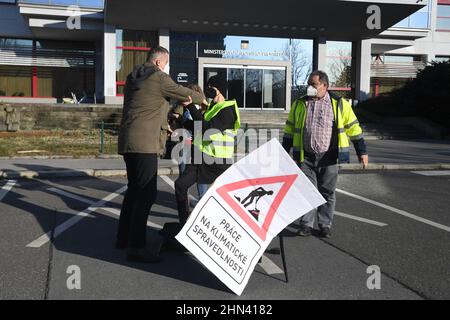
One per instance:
[(143, 255), (273, 251), (325, 232), (304, 231)]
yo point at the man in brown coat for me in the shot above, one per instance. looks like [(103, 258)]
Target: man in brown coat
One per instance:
[(145, 110)]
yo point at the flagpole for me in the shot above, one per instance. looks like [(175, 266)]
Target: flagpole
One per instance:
[(283, 257)]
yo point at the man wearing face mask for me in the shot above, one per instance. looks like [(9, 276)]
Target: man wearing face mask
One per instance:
[(318, 129), (145, 109), (213, 145)]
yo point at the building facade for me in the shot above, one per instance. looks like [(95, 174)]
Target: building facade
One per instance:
[(56, 49)]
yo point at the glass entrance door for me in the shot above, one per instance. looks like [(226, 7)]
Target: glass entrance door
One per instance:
[(253, 87)]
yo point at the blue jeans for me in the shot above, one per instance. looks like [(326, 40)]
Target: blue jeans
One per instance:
[(202, 188)]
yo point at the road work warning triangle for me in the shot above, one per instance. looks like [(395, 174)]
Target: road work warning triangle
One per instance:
[(246, 206)]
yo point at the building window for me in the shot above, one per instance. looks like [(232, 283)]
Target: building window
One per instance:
[(15, 81), (442, 59), (339, 67), (45, 68), (380, 86), (61, 82), (268, 90), (252, 87), (132, 49), (389, 72), (274, 89), (420, 19), (443, 16), (94, 4)]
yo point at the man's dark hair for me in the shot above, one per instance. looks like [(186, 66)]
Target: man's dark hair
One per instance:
[(323, 77), (156, 52)]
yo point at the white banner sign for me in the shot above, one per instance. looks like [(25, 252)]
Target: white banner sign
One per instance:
[(248, 205)]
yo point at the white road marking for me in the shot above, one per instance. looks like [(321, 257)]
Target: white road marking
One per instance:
[(268, 265), (114, 211), (168, 181), (172, 185), (433, 173), (6, 188), (344, 215), (395, 210), (39, 242)]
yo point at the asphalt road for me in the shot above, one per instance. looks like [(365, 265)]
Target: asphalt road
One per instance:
[(406, 234)]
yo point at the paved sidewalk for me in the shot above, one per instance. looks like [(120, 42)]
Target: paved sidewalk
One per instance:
[(383, 155)]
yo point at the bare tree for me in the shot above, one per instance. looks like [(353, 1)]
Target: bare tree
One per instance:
[(300, 60), (340, 70)]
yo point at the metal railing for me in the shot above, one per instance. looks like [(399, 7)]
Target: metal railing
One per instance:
[(397, 70), (108, 137), (247, 140)]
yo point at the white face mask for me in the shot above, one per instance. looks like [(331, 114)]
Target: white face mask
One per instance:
[(311, 91), (167, 69)]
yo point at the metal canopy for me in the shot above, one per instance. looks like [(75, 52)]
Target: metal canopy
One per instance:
[(333, 19)]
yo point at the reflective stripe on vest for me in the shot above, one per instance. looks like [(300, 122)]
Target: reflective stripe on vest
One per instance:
[(220, 144), (339, 109)]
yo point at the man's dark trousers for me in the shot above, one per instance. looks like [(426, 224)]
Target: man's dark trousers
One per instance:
[(142, 170), (322, 171)]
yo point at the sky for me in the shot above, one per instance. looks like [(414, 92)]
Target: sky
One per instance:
[(81, 3), (263, 45)]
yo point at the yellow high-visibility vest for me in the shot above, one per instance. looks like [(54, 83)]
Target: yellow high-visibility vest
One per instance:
[(220, 144), (347, 126)]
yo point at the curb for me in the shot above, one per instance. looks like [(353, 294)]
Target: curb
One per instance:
[(388, 166), (174, 171), (105, 156), (50, 174)]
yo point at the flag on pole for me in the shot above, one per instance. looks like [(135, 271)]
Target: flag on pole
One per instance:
[(245, 208)]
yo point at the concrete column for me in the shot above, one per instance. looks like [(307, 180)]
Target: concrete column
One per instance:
[(319, 54), (99, 71), (164, 41), (109, 63), (288, 86), (362, 69), (433, 16), (431, 54)]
